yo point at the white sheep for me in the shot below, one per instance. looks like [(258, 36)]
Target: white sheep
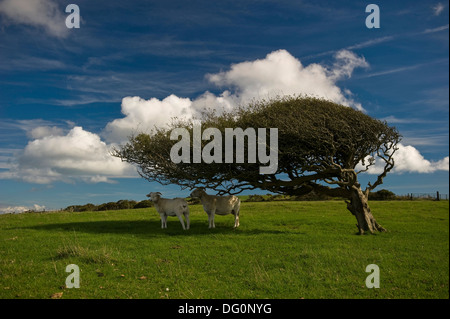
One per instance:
[(220, 205), (170, 207)]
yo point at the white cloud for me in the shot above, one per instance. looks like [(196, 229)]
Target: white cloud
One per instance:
[(442, 165), (370, 43), (7, 157), (56, 154), (21, 209), (46, 14), (142, 115), (43, 131), (438, 29), (408, 159), (279, 73), (53, 155), (346, 63), (78, 155), (21, 62), (438, 8)]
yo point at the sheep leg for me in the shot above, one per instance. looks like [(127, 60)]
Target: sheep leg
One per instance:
[(162, 220), (236, 218), (186, 215), (211, 220), (181, 220)]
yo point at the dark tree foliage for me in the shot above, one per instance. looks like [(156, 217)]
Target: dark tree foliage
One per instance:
[(383, 194), (321, 145)]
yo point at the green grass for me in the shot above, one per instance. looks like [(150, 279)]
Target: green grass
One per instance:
[(281, 250)]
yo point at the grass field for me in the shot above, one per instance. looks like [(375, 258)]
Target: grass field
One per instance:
[(281, 250)]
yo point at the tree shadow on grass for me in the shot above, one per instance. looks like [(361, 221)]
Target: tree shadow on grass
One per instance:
[(148, 229)]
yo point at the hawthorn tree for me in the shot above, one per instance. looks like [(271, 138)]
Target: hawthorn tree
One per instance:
[(322, 147)]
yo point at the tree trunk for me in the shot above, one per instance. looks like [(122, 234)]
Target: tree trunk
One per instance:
[(359, 207)]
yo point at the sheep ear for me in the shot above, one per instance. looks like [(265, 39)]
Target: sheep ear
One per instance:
[(159, 193)]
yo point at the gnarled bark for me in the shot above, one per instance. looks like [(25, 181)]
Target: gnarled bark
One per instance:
[(359, 207)]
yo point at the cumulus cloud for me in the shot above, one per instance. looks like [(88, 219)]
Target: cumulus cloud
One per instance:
[(43, 131), (56, 154), (443, 164), (279, 73), (77, 155), (21, 209), (45, 14), (141, 114), (408, 159)]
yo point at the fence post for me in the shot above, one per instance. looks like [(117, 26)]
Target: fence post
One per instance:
[(437, 195)]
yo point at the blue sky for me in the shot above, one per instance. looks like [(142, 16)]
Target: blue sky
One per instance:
[(68, 95)]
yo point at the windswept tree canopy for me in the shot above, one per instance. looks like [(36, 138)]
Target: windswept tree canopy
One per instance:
[(320, 145)]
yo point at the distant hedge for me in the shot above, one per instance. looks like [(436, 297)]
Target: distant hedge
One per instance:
[(121, 204), (278, 197), (383, 194)]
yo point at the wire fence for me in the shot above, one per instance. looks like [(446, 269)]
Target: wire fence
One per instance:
[(429, 196)]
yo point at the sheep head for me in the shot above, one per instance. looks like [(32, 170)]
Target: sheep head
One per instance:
[(198, 192), (154, 196)]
